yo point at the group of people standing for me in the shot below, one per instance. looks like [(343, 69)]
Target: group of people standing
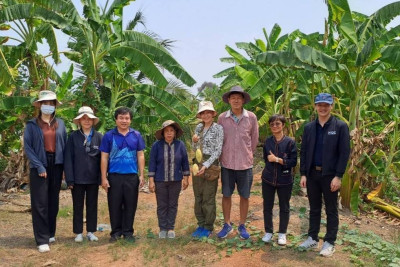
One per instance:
[(223, 149)]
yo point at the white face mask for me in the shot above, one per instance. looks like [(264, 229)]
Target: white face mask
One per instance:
[(47, 109)]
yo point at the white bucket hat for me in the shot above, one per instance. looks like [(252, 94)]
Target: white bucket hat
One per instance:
[(206, 105), (44, 96), (88, 112)]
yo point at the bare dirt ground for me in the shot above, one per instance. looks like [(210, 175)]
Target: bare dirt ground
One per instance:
[(17, 246)]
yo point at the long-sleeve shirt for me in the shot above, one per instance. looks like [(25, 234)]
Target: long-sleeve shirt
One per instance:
[(240, 140), (168, 162), (336, 147), (82, 162), (211, 141), (34, 145)]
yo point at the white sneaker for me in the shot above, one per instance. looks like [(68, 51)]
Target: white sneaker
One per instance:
[(267, 237), (162, 234), (171, 234), (79, 238), (43, 248), (281, 239), (327, 249), (309, 243), (52, 239), (91, 237)]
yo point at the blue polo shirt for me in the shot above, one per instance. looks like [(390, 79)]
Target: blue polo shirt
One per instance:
[(122, 150)]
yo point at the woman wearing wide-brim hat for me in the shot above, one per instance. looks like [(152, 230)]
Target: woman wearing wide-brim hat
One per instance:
[(44, 141), (168, 174), (208, 138), (82, 171)]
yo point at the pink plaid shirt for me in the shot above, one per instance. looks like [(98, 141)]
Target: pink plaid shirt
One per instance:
[(240, 140)]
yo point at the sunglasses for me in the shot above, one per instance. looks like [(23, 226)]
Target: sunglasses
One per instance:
[(275, 124), (87, 146)]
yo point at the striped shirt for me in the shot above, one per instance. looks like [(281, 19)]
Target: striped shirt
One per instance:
[(240, 140)]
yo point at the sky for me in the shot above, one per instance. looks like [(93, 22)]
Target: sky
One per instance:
[(202, 28)]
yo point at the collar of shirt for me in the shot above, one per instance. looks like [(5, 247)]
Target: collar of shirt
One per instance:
[(326, 123), (229, 113), (115, 131)]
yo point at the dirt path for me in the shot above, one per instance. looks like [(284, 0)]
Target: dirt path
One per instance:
[(17, 246)]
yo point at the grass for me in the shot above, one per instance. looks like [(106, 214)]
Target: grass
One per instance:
[(64, 212)]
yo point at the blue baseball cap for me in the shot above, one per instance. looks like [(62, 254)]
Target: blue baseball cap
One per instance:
[(324, 98)]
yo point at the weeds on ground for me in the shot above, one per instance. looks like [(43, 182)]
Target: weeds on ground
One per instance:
[(369, 245), (64, 212)]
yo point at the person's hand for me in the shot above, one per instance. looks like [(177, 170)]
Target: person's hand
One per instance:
[(201, 171), (105, 185), (185, 182), (71, 186), (303, 181), (152, 186), (336, 184), (43, 174), (272, 157), (195, 138), (141, 180)]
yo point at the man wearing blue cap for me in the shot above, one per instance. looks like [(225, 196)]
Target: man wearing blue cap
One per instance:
[(325, 150)]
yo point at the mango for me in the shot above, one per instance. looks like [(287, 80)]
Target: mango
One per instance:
[(199, 155), (195, 169)]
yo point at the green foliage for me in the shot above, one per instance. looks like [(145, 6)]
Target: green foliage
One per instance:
[(371, 246)]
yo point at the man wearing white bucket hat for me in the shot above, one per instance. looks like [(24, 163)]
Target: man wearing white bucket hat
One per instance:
[(44, 142), (82, 171)]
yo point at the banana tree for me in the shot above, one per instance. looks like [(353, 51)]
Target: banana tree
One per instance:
[(119, 60), (366, 52)]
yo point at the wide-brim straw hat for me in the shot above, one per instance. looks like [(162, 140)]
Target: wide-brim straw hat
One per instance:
[(44, 96), (167, 123), (88, 112), (206, 105), (236, 89)]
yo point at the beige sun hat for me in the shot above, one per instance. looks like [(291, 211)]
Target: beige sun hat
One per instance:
[(206, 105), (85, 110), (167, 123), (44, 96)]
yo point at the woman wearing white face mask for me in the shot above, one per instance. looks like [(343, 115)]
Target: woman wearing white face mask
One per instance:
[(44, 143)]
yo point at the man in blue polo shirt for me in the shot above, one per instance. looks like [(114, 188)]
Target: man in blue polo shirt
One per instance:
[(325, 150), (122, 158)]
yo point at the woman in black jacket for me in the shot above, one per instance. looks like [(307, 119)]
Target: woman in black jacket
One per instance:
[(280, 155), (82, 171)]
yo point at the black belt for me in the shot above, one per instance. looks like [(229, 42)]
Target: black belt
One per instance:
[(318, 168)]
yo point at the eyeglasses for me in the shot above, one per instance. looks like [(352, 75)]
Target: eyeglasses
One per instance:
[(275, 124)]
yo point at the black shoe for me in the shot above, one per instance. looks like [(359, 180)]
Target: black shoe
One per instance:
[(114, 238)]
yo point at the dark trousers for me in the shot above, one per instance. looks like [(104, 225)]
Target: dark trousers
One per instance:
[(319, 186), (167, 195), (122, 202), (45, 199), (284, 195), (78, 198), (204, 201)]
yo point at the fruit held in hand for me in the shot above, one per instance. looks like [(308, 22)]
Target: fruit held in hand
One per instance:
[(195, 169), (199, 155)]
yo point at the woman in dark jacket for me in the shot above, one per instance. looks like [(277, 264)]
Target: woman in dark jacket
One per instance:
[(280, 155), (82, 171), (44, 142), (168, 174)]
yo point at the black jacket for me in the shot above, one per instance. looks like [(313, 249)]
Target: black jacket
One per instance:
[(82, 167), (275, 173), (336, 149)]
